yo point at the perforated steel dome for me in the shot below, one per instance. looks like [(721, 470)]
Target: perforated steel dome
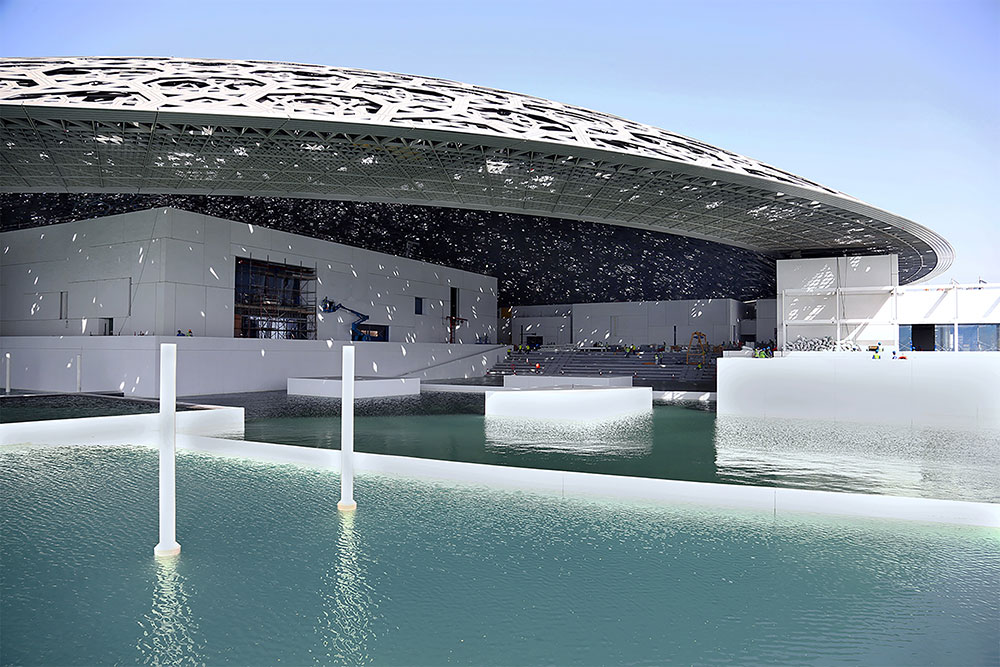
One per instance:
[(215, 127)]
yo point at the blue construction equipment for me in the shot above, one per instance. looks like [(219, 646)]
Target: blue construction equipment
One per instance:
[(357, 334)]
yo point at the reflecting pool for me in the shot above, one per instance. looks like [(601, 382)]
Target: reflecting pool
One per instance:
[(428, 574)]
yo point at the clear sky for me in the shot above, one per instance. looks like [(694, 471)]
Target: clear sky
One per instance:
[(895, 102)]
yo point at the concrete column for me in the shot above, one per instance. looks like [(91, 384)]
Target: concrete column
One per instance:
[(79, 375), (347, 503), (7, 372), (168, 545)]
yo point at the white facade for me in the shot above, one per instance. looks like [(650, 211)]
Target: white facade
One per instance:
[(631, 323), (858, 299), (161, 270), (845, 298)]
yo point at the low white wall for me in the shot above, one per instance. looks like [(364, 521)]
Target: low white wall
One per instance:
[(121, 429), (768, 500), (223, 365), (943, 389)]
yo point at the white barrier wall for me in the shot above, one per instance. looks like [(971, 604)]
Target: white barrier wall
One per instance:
[(219, 365), (166, 269), (770, 500), (940, 389), (141, 429)]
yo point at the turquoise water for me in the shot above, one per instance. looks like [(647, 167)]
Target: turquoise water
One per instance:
[(426, 574), (673, 443)]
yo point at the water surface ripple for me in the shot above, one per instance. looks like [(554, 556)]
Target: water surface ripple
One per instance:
[(427, 574)]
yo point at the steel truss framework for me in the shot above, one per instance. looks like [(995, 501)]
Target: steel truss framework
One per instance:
[(164, 125)]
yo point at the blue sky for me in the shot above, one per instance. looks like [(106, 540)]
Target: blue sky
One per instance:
[(894, 102)]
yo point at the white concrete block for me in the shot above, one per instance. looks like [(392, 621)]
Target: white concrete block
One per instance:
[(577, 404)]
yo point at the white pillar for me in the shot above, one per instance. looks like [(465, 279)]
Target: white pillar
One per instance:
[(79, 376), (7, 384), (168, 423), (347, 503)]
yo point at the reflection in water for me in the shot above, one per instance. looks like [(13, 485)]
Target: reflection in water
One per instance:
[(626, 437), (345, 627), (867, 458), (169, 629)]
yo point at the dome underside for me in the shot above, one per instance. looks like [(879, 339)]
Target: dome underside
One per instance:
[(151, 126)]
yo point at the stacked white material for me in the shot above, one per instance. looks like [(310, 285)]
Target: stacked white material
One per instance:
[(823, 344)]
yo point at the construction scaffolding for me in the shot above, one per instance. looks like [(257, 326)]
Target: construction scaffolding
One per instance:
[(274, 300), (698, 350)]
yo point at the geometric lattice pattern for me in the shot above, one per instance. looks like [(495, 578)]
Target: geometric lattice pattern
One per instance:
[(169, 125)]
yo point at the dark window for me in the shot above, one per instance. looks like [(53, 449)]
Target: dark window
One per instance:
[(274, 300), (454, 302), (418, 305)]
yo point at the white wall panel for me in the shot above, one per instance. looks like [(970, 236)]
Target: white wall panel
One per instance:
[(200, 251)]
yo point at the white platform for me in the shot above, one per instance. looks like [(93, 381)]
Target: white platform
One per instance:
[(374, 388), (936, 389), (528, 381), (592, 403)]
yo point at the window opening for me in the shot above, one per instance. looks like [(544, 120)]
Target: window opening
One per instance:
[(274, 300)]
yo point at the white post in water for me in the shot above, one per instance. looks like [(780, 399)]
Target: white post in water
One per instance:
[(7, 384), (168, 423), (79, 376), (347, 503)]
